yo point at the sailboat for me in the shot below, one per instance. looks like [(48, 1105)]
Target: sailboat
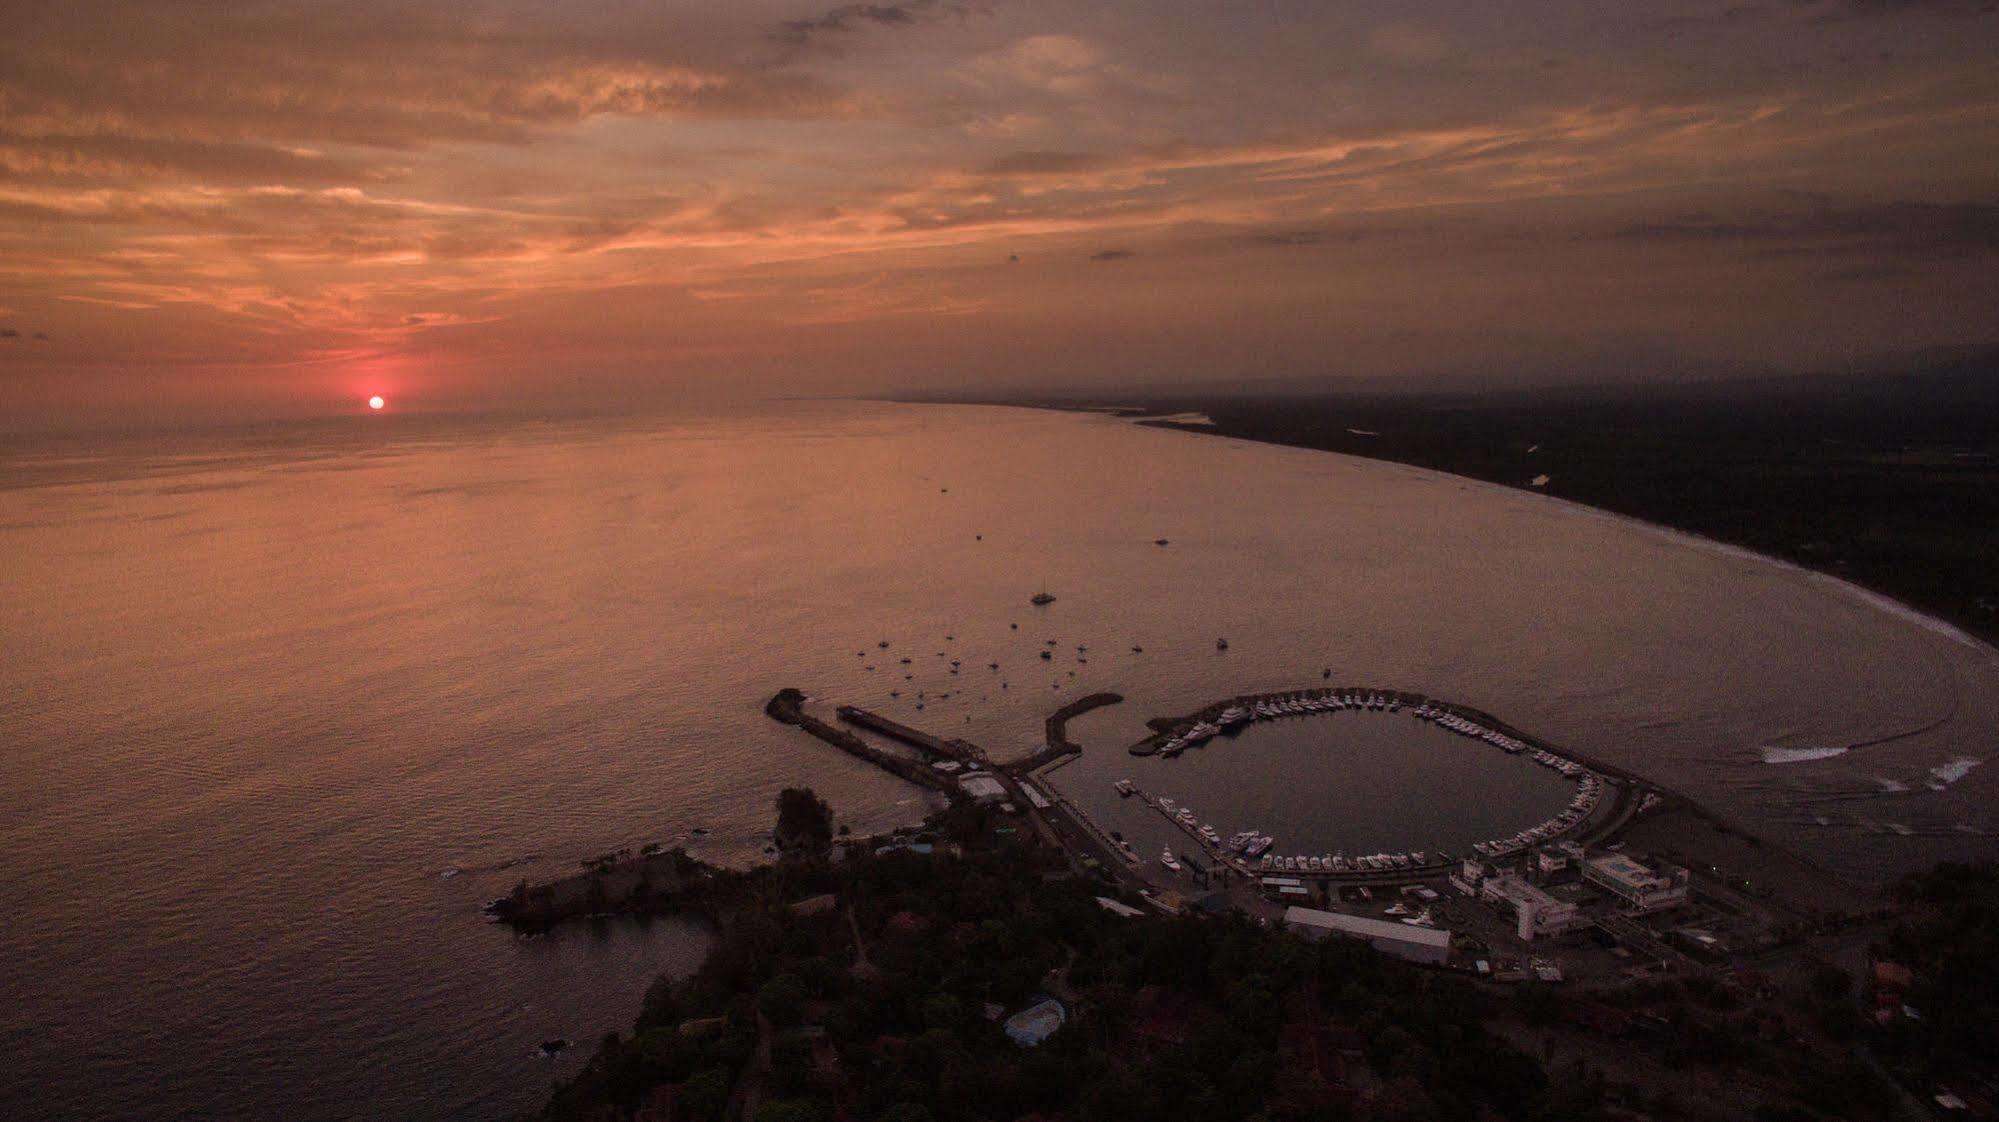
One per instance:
[(1041, 597)]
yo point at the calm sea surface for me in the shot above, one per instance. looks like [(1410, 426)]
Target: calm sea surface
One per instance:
[(280, 708)]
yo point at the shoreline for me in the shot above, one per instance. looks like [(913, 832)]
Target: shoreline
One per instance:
[(1882, 599), (1632, 809)]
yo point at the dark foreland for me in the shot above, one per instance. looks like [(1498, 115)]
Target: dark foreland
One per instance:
[(967, 972), (1887, 477)]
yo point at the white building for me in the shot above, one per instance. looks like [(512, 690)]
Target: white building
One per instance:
[(1403, 940), (981, 787), (1467, 876), (1536, 914), (1639, 888)]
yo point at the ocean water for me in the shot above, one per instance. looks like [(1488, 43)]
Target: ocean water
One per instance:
[(280, 708)]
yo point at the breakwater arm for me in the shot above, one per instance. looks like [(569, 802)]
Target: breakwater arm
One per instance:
[(788, 707), (1057, 730)]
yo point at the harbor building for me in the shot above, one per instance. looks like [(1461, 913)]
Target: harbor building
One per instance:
[(1407, 941), (980, 787), (1469, 874), (1637, 887), (1536, 914)]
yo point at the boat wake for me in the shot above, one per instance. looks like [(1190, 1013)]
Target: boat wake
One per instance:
[(1772, 755), (1947, 774)]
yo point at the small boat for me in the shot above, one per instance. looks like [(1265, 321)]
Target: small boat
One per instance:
[(1167, 859), (1040, 598), (1124, 787), (1221, 644), (1159, 541)]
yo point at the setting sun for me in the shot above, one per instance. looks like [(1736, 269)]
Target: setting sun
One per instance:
[(376, 402)]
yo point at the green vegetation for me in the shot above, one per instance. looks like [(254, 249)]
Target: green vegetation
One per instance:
[(878, 985), (804, 822), (1949, 949), (891, 1005)]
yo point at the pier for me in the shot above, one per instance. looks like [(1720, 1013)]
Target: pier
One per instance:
[(1056, 820), (788, 708), (934, 747), (1251, 870)]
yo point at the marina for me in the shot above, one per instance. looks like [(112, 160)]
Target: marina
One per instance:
[(1597, 799), (1246, 853), (955, 767)]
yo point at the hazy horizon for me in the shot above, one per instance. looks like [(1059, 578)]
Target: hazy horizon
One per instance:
[(284, 207)]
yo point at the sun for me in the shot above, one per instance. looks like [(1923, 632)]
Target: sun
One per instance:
[(376, 402)]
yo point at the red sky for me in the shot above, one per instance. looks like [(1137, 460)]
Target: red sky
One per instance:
[(291, 205)]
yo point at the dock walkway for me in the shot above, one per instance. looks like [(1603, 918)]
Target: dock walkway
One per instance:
[(961, 751), (787, 707)]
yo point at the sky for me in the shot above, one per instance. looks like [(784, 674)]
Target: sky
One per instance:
[(232, 207)]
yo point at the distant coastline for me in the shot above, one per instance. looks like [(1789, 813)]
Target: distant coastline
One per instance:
[(1886, 599), (1936, 582)]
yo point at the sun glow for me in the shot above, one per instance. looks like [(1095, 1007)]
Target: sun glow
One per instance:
[(376, 402)]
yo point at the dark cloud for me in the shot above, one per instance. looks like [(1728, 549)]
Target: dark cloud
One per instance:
[(1731, 17), (1112, 255), (1913, 229), (1833, 11), (1044, 163), (192, 87), (1287, 239), (75, 158), (799, 34)]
